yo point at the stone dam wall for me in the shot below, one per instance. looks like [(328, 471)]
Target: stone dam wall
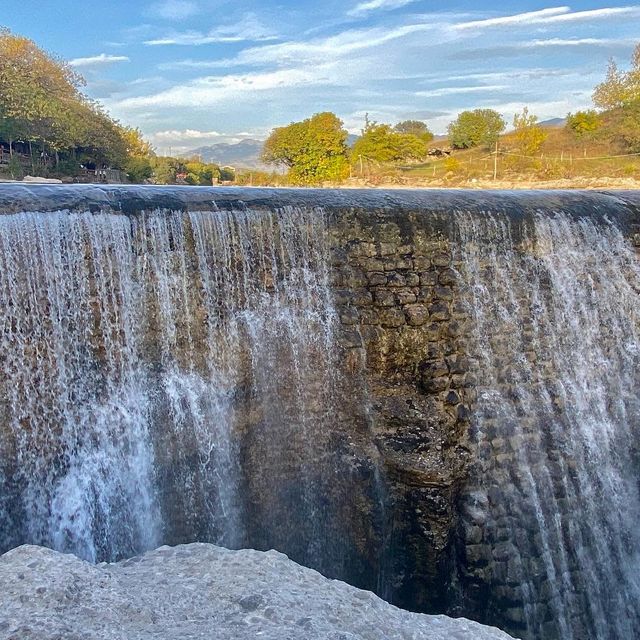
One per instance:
[(440, 460)]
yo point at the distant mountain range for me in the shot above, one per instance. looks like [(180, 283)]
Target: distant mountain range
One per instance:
[(243, 155), (554, 122)]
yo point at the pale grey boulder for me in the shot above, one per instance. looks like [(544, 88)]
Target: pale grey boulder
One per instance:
[(200, 591)]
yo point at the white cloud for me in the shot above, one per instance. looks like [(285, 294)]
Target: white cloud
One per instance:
[(175, 9), (550, 16), (187, 135), (374, 5), (520, 18), (100, 60), (452, 91), (211, 90), (248, 29)]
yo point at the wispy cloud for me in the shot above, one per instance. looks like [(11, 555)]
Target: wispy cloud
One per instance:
[(550, 16), (519, 18), (248, 29), (452, 91), (100, 60), (174, 9), (211, 90), (535, 46), (363, 8)]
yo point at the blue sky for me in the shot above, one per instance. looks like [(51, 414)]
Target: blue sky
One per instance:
[(193, 72)]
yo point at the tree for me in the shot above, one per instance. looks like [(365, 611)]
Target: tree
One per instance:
[(415, 128), (584, 124), (619, 98), (528, 134), (619, 87), (139, 151), (314, 150), (199, 173), (383, 143), (480, 127), (36, 91)]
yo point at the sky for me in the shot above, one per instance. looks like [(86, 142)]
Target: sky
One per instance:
[(196, 72)]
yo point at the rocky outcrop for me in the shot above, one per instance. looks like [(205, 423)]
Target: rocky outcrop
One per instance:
[(200, 591)]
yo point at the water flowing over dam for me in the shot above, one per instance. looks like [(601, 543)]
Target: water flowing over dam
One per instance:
[(433, 395)]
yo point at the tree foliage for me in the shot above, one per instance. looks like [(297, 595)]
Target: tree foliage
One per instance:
[(384, 143), (314, 150), (480, 127), (619, 98), (415, 128), (584, 124), (619, 88), (529, 134)]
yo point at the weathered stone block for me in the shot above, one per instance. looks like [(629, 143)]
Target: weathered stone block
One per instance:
[(447, 277), (349, 316), (387, 249), (441, 259), (349, 339), (439, 312), (416, 314), (405, 297), (384, 298), (391, 318), (377, 278), (395, 279)]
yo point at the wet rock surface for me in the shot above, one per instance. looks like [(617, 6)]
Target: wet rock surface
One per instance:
[(200, 591)]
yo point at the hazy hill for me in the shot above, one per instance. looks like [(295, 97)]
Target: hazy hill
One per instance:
[(553, 122), (244, 154)]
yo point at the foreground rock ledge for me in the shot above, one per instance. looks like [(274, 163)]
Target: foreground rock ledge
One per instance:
[(199, 591)]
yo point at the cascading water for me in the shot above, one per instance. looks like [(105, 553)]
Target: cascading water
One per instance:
[(143, 358), (172, 373), (555, 335)]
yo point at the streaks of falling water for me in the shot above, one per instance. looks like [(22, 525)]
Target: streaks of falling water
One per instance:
[(556, 335), (139, 354)]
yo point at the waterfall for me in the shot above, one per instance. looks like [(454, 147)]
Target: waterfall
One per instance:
[(555, 337), (145, 358)]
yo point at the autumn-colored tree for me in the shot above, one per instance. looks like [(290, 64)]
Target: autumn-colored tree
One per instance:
[(36, 89), (619, 87), (584, 124), (619, 98), (314, 150), (529, 134), (480, 127)]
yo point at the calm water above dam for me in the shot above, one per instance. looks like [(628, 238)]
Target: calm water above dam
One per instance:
[(184, 365)]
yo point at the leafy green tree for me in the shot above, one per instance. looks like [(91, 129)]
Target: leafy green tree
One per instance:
[(200, 173), (383, 143), (36, 90), (584, 125), (314, 150), (480, 127), (619, 87), (415, 128), (529, 134)]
